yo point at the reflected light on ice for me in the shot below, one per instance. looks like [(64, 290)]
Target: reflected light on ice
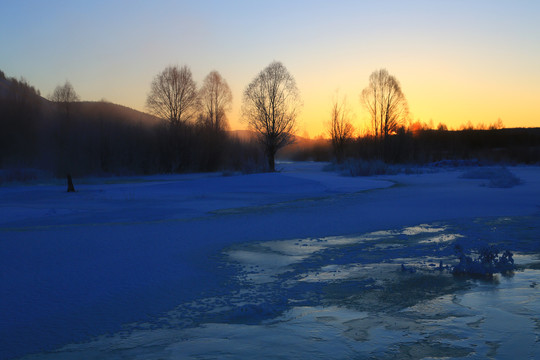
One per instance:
[(421, 229), (360, 304), (441, 238)]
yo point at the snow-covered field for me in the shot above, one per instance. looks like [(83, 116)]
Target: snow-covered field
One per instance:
[(297, 264)]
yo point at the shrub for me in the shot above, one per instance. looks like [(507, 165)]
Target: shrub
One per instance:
[(487, 263)]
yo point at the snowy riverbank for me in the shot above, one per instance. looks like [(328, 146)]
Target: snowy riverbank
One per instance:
[(150, 251)]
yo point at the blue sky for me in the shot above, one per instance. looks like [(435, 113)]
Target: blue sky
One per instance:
[(457, 61)]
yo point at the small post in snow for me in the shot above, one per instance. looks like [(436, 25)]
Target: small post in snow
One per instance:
[(70, 187)]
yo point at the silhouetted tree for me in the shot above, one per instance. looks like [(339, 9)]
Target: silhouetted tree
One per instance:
[(173, 95), (64, 96), (216, 99), (385, 103), (497, 125), (340, 127), (442, 127), (270, 106)]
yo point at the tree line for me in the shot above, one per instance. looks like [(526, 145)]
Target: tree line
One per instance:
[(392, 138), (186, 127), (186, 132), (191, 134), (62, 135)]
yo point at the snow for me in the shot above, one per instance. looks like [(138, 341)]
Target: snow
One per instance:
[(224, 266)]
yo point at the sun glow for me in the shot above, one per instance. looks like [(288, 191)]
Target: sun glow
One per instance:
[(456, 62)]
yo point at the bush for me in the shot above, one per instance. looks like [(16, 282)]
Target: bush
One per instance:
[(487, 263)]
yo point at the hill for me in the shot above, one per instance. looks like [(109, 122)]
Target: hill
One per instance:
[(109, 110), (101, 109)]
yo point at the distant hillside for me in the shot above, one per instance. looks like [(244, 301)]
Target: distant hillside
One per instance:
[(101, 109), (93, 137), (109, 110)]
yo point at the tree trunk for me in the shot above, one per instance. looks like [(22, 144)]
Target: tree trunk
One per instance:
[(271, 162), (70, 187)]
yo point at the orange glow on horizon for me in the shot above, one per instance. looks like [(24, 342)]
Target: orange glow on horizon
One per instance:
[(457, 62), (453, 102)]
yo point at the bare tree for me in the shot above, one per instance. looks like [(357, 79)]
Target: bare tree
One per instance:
[(216, 99), (340, 127), (173, 95), (64, 96), (385, 103), (270, 106), (497, 125)]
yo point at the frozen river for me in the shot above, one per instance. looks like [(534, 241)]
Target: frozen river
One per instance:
[(301, 264)]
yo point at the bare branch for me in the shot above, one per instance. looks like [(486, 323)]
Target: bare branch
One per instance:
[(385, 102), (173, 95), (216, 99), (340, 127)]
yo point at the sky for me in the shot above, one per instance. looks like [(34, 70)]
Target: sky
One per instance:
[(457, 61)]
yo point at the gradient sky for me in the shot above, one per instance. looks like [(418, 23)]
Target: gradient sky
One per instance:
[(457, 61)]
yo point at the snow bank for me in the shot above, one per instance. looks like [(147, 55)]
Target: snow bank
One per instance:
[(498, 177)]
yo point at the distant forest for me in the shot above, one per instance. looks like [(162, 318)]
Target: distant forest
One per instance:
[(99, 138), (508, 146)]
